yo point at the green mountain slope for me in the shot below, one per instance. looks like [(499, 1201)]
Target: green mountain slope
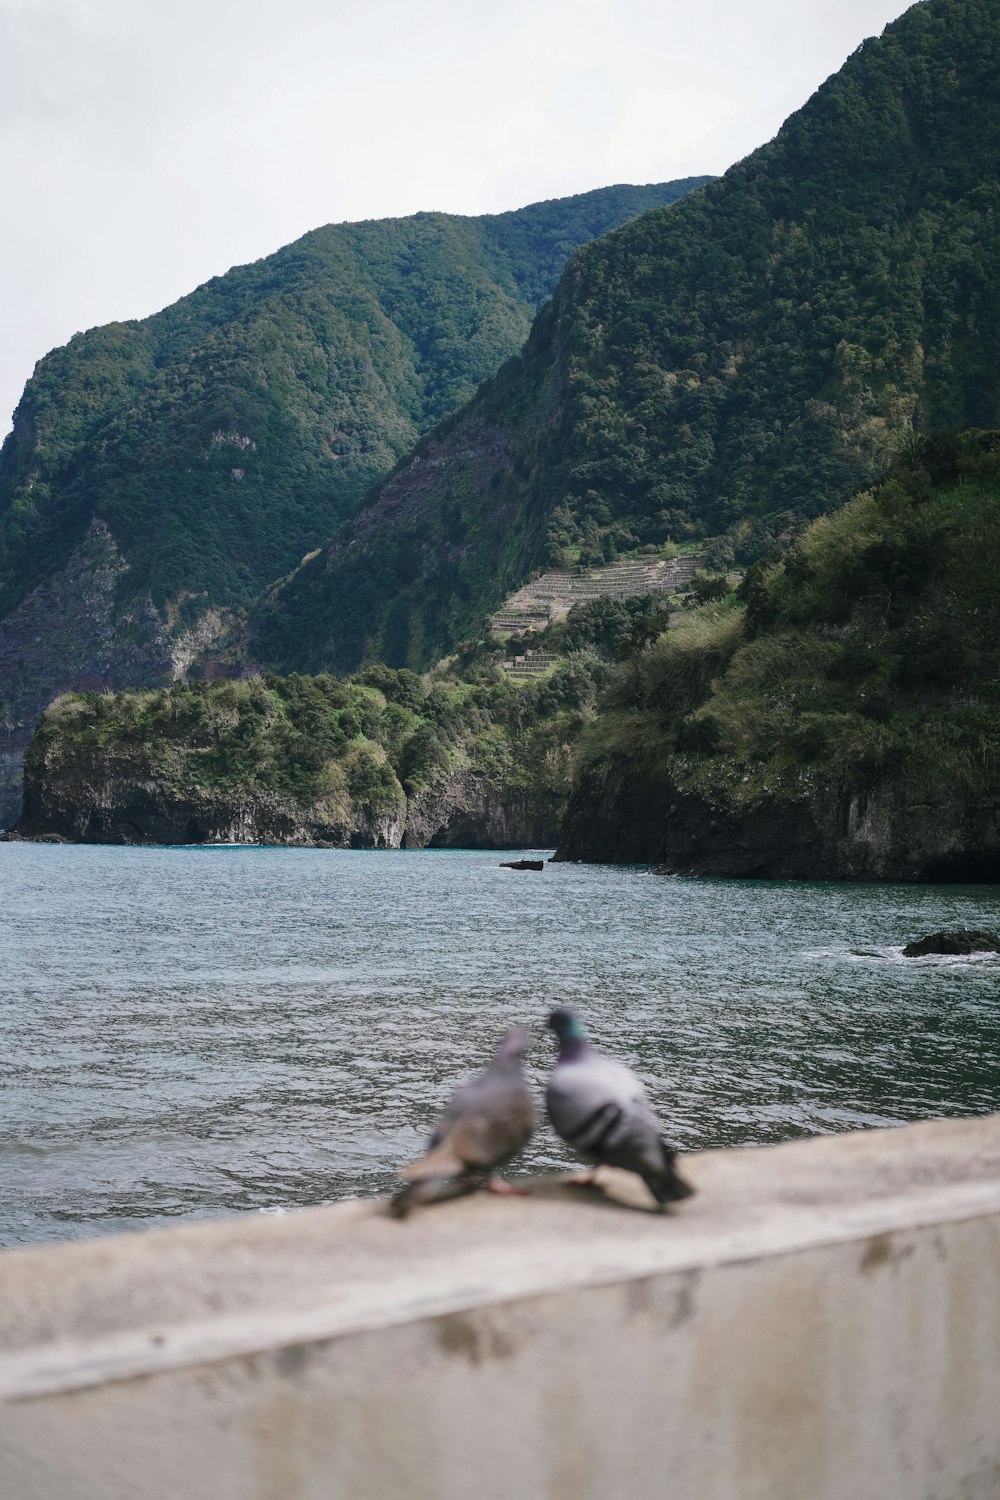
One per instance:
[(729, 369), (222, 437), (161, 473), (839, 717)]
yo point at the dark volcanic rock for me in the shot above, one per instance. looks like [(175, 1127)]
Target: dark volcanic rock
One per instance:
[(522, 864), (958, 943), (620, 821), (468, 811), (879, 834), (108, 801)]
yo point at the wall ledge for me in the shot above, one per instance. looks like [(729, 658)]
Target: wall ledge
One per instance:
[(93, 1312)]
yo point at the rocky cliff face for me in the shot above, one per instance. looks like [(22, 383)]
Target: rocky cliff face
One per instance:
[(836, 719), (111, 803), (880, 834), (468, 811)]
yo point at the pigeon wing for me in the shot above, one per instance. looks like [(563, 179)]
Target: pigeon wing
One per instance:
[(486, 1121), (600, 1108)]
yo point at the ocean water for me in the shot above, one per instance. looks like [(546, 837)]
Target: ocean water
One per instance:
[(188, 1033)]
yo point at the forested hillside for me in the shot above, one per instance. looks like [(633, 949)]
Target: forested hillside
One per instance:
[(835, 716), (839, 716), (726, 370), (221, 438), (381, 760)]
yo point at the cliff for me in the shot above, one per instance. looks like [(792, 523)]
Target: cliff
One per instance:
[(839, 718), (883, 834), (381, 763), (120, 805)]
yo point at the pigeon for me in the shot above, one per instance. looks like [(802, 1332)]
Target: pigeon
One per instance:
[(600, 1108), (486, 1122)]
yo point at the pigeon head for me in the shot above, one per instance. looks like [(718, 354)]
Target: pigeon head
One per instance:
[(567, 1025), (514, 1044)]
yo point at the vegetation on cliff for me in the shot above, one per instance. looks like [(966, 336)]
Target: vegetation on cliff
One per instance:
[(727, 369), (339, 754), (864, 661), (858, 664), (223, 437)]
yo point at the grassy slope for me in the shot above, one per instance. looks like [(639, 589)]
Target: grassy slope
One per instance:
[(730, 367)]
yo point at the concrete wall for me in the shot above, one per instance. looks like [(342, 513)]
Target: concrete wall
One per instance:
[(821, 1321)]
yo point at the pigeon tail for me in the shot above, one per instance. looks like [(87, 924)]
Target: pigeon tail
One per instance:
[(441, 1161), (668, 1186), (429, 1190)]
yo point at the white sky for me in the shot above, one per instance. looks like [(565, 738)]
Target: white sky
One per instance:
[(146, 145)]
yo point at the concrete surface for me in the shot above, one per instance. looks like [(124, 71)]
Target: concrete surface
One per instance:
[(821, 1321)]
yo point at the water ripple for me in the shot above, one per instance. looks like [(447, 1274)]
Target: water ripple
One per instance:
[(195, 1032)]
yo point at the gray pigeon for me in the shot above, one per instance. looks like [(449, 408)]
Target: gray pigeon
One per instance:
[(600, 1108), (486, 1123)]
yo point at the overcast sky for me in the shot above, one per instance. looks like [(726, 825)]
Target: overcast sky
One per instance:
[(150, 144)]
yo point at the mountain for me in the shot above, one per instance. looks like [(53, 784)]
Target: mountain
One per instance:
[(839, 716), (728, 369), (220, 438), (162, 472)]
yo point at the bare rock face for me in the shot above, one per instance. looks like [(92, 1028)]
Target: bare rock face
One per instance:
[(881, 834), (468, 811), (957, 944), (400, 498), (107, 803), (141, 814)]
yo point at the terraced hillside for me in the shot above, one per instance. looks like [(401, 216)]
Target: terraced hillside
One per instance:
[(556, 591)]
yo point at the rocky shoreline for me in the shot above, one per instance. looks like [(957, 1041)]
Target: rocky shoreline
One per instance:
[(877, 835), (464, 810)]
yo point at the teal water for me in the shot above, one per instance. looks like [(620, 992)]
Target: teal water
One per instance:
[(187, 1033)]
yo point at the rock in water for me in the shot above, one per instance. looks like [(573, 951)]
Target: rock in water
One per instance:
[(486, 1123), (953, 943), (600, 1108), (523, 864)]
